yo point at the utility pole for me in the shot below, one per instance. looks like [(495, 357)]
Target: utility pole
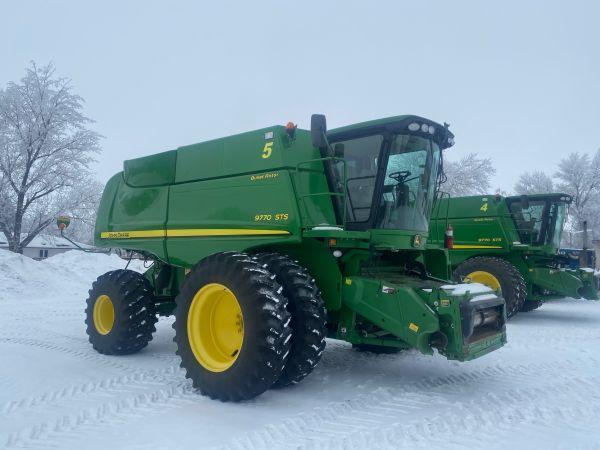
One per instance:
[(583, 259)]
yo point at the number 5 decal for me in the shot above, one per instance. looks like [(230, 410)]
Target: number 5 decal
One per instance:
[(267, 150)]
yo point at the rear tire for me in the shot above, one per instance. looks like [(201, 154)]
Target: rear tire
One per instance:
[(309, 317), (512, 284), (208, 322), (120, 313)]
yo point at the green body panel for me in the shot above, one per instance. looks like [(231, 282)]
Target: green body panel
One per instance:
[(124, 208), (267, 190), (155, 170), (245, 197), (484, 226)]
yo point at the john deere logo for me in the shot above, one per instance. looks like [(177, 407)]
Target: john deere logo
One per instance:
[(416, 240)]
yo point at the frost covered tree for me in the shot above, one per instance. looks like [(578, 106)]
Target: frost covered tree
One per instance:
[(469, 176), (80, 203), (579, 176), (535, 182), (45, 152)]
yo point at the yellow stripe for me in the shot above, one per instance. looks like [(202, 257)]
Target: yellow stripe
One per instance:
[(464, 247), (222, 232), (189, 233)]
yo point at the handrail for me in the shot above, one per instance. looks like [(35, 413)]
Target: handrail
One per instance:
[(440, 195), (328, 193)]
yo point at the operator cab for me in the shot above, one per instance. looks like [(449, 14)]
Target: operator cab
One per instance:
[(539, 219), (389, 170)]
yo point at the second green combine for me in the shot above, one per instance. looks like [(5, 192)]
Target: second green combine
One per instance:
[(511, 244)]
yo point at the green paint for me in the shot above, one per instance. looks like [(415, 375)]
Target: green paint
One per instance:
[(240, 191)]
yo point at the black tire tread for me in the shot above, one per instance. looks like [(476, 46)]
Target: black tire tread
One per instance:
[(271, 341), (135, 315), (514, 288), (308, 316)]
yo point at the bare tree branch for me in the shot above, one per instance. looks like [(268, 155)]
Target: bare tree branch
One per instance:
[(469, 176)]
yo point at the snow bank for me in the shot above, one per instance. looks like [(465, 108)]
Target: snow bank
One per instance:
[(27, 277), (16, 272)]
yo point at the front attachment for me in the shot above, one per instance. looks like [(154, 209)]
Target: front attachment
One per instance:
[(482, 321), (462, 322), (591, 284)]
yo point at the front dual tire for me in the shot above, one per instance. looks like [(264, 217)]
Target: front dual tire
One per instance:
[(245, 324), (232, 327)]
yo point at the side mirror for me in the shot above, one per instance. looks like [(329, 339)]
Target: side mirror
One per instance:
[(338, 150), (318, 130), (524, 202)]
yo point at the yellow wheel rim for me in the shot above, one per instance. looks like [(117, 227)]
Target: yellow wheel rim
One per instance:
[(104, 314), (480, 276), (215, 327)]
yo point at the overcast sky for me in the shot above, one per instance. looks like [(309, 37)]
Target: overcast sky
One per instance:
[(519, 82)]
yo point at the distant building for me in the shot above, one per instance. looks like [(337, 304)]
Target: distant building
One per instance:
[(43, 246)]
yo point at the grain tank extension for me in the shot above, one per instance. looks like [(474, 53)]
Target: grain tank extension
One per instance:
[(267, 242)]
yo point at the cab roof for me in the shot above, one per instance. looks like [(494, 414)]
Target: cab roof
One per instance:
[(548, 196), (442, 136)]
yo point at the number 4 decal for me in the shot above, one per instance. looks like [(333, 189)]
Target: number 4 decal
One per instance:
[(484, 207), (267, 150)]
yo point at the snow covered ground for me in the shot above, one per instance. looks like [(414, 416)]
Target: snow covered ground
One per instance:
[(542, 390)]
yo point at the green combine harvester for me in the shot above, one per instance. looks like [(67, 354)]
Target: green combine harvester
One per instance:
[(511, 244), (267, 242)]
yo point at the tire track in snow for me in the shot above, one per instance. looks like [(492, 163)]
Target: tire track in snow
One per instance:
[(103, 386), (68, 428), (43, 330), (55, 431), (85, 355), (512, 411), (368, 415), (27, 316)]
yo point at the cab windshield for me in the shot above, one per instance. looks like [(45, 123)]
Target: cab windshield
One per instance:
[(409, 184), (539, 222), (397, 196)]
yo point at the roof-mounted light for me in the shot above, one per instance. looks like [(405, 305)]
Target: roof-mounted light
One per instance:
[(414, 126), (431, 129), (425, 128)]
